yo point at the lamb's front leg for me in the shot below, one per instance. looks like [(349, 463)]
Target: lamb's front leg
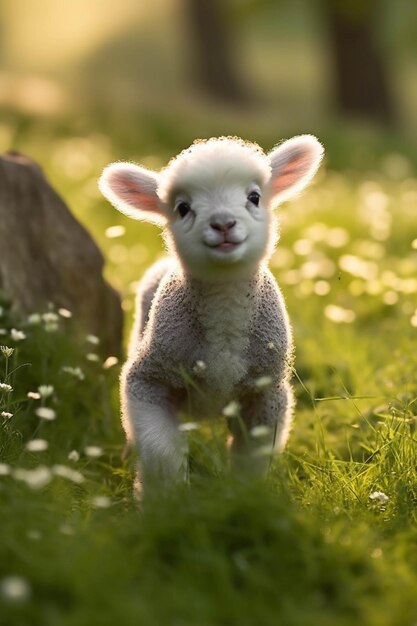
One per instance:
[(262, 427), (150, 421)]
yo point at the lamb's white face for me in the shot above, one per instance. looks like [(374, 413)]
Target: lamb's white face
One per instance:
[(223, 226), (214, 199)]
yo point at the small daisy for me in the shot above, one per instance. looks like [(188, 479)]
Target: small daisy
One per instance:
[(67, 472), (76, 372), (45, 413), (101, 502), (232, 409), (34, 319), (46, 391), (5, 469), (36, 478), (34, 395), (93, 339), (260, 431), (199, 367), (379, 496), (94, 452), (110, 362), (263, 382), (17, 335), (74, 456), (37, 445), (14, 589), (6, 351), (50, 317), (188, 426)]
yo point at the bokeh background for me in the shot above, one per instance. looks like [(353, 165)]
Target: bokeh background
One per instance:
[(84, 83), (331, 538)]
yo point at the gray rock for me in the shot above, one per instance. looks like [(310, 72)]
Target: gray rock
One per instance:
[(47, 256)]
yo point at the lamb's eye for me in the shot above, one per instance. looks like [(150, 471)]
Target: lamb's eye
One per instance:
[(183, 208), (254, 197)]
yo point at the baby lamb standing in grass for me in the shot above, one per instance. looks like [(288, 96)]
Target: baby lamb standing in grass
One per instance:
[(211, 314)]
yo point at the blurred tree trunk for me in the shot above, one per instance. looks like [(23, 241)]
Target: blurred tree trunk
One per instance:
[(361, 79), (213, 50)]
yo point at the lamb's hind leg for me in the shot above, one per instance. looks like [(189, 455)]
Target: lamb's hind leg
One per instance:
[(253, 446), (153, 427)]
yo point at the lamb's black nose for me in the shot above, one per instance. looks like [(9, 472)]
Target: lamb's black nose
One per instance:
[(222, 226)]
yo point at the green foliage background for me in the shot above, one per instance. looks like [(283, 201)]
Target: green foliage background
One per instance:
[(308, 546)]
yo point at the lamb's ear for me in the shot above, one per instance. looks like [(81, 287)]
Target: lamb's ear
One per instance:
[(133, 190), (293, 165)]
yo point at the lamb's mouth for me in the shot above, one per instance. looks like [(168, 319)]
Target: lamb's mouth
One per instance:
[(225, 246)]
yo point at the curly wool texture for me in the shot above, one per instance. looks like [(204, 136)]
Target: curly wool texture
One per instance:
[(216, 161)]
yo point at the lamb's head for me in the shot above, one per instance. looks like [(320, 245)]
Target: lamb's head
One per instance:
[(215, 199)]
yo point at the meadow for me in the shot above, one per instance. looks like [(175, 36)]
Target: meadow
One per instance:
[(330, 537)]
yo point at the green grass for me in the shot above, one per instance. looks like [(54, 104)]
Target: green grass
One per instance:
[(306, 547)]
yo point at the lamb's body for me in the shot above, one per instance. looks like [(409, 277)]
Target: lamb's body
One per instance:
[(211, 325), (226, 339)]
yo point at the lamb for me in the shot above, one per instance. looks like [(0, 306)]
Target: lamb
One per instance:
[(211, 328)]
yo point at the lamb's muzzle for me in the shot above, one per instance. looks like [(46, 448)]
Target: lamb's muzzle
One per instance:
[(213, 301)]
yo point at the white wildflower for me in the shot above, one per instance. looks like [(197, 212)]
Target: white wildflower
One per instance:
[(67, 472), (263, 382), (199, 367), (34, 395), (34, 318), (5, 469), (93, 339), (45, 413), (6, 351), (50, 317), (51, 327), (91, 356), (6, 415), (74, 456), (37, 445), (94, 452), (65, 313), (76, 372), (379, 496), (17, 335), (101, 502), (260, 431), (110, 362), (46, 390), (3, 331), (36, 478), (188, 426), (14, 589), (5, 388), (232, 409)]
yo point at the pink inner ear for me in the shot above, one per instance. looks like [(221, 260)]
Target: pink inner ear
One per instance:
[(290, 172), (135, 193)]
